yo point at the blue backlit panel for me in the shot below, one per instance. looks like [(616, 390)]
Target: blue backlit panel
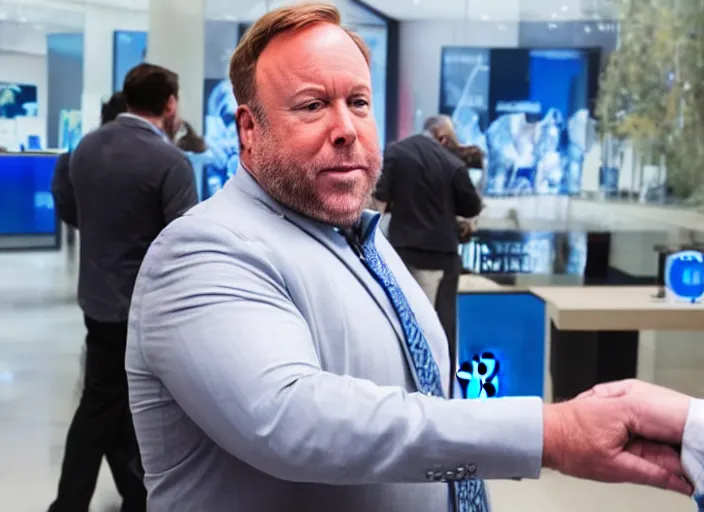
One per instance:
[(26, 203), (501, 345)]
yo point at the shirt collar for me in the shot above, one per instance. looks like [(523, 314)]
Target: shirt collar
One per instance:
[(146, 123)]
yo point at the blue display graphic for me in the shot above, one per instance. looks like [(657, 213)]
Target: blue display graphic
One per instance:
[(70, 129), (684, 275), (501, 345), (220, 135), (479, 378), (18, 100), (129, 50), (531, 252), (527, 110), (26, 203)]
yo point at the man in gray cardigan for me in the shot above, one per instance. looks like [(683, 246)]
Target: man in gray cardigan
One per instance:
[(127, 182)]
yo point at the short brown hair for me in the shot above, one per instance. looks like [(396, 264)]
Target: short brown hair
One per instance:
[(286, 19), (147, 88)]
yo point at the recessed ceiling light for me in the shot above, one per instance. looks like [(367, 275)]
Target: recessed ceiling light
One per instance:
[(565, 8), (23, 19), (554, 15), (416, 2), (485, 17), (588, 29), (3, 16)]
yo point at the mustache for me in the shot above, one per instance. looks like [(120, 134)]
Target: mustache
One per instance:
[(370, 163)]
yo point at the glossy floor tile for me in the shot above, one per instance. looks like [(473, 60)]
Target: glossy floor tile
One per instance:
[(40, 343)]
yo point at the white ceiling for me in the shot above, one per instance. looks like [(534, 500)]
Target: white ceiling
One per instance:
[(69, 14)]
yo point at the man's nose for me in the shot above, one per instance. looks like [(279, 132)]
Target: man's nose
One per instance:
[(343, 131)]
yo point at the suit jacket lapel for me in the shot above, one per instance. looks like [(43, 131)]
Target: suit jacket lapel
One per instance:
[(337, 244), (330, 238)]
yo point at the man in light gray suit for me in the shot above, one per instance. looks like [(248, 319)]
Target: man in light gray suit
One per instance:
[(280, 356)]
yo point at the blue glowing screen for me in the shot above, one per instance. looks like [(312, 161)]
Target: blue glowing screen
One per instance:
[(501, 345), (684, 275), (26, 203)]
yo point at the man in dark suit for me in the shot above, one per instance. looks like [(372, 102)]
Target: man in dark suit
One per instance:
[(61, 188), (127, 182), (426, 187)]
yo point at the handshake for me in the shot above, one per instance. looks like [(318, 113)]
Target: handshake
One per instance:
[(629, 432)]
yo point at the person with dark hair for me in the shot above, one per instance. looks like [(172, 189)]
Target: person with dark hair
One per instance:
[(186, 139), (112, 108), (151, 92), (129, 182)]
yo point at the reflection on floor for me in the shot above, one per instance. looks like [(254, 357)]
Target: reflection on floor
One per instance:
[(40, 343)]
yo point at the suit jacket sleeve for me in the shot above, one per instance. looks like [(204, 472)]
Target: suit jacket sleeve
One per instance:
[(218, 327), (384, 189), (178, 193), (468, 203), (62, 190)]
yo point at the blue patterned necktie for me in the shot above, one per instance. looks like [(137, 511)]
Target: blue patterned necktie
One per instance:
[(470, 494)]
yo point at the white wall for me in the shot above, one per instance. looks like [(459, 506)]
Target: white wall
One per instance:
[(421, 44), (23, 59), (100, 25)]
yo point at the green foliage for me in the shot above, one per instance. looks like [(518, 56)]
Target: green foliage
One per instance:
[(652, 90)]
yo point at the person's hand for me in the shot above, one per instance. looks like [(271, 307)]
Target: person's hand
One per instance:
[(659, 414), (591, 438)]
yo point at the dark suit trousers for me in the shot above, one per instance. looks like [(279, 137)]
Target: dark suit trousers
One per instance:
[(102, 427), (446, 308)]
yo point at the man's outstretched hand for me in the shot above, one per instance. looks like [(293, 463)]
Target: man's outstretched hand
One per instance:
[(619, 433)]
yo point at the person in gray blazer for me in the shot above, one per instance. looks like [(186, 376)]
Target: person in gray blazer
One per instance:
[(126, 181), (280, 356)]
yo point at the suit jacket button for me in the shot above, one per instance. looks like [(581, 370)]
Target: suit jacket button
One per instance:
[(471, 470), (430, 475)]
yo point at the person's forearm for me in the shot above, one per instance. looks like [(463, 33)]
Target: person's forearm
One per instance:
[(338, 430), (399, 437)]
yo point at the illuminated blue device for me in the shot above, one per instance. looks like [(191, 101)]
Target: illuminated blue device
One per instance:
[(684, 275), (479, 378)]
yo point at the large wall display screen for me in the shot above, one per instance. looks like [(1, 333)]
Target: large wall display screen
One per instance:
[(129, 50), (18, 100), (529, 111)]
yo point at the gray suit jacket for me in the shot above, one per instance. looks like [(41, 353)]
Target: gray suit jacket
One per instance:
[(268, 373)]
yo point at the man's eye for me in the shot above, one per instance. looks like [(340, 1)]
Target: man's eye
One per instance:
[(360, 103), (313, 107)]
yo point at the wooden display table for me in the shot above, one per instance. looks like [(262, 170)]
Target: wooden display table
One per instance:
[(595, 331)]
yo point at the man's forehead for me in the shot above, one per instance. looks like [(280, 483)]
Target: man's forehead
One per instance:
[(322, 44)]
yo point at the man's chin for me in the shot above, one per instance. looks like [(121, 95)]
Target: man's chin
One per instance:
[(340, 213)]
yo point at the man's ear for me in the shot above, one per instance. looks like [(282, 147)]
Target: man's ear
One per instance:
[(245, 125)]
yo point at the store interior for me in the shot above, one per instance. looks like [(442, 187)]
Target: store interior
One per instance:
[(594, 157)]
